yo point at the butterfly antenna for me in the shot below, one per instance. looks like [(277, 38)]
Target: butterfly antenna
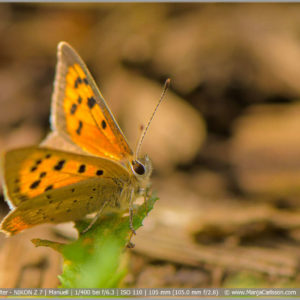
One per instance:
[(166, 86)]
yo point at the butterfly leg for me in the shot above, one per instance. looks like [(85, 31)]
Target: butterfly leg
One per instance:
[(130, 244), (96, 217), (147, 195), (131, 212)]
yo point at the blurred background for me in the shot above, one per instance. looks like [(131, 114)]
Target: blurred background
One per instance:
[(225, 142)]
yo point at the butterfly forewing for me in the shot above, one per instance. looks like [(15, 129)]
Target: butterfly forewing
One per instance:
[(30, 172), (47, 185), (79, 111)]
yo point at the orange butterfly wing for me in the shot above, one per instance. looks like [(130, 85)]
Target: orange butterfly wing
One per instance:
[(79, 111), (32, 171), (46, 185)]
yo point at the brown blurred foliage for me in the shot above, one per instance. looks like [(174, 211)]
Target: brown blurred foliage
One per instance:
[(225, 142)]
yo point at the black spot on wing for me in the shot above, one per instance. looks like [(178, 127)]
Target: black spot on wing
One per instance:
[(85, 81), (73, 109), (77, 82), (35, 184), (43, 174), (33, 168), (79, 100), (59, 165), (99, 172), (78, 130), (81, 169), (48, 188), (91, 102), (103, 124)]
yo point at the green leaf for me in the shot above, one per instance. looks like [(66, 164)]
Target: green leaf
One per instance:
[(97, 259)]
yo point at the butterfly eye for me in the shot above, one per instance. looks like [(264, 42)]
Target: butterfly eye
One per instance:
[(138, 167)]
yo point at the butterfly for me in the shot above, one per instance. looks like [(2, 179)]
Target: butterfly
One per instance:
[(90, 169)]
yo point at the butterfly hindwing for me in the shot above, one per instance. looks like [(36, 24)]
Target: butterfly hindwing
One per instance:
[(79, 111), (64, 204)]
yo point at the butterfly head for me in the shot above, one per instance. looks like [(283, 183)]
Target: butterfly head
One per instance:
[(142, 168)]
